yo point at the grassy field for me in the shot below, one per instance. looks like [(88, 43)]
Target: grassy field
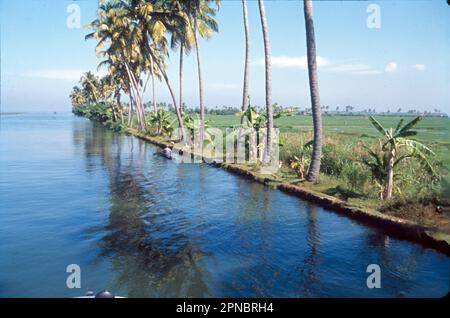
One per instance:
[(432, 131)]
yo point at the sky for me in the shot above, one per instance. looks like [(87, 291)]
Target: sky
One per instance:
[(400, 60)]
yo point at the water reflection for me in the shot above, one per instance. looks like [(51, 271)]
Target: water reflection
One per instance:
[(149, 256), (178, 230), (308, 270), (400, 267)]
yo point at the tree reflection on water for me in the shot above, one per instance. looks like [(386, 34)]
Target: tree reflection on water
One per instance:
[(149, 256)]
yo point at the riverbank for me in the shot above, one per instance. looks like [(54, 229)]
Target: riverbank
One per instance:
[(429, 236)]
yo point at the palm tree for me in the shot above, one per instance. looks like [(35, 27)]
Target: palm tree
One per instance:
[(182, 38), (115, 27), (268, 67), (397, 138), (155, 20), (247, 60), (90, 84), (77, 97), (106, 91), (202, 21), (314, 168)]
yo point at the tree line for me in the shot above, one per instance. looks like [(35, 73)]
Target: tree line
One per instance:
[(134, 38)]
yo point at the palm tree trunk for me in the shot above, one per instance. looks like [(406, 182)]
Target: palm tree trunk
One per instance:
[(181, 76), (153, 84), (139, 103), (113, 112), (314, 168), (247, 61), (134, 94), (119, 104), (177, 109), (200, 83), (135, 87), (268, 64), (130, 112), (390, 176)]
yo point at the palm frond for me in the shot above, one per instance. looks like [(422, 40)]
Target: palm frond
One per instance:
[(410, 125), (378, 126)]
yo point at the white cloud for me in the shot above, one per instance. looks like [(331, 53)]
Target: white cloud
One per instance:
[(61, 74), (391, 67), (419, 67), (294, 61), (350, 66), (358, 68)]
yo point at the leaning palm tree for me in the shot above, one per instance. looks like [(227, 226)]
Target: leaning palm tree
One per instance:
[(394, 140), (268, 67), (314, 168), (154, 21), (116, 29), (247, 60)]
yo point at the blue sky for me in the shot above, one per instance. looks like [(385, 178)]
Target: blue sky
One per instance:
[(404, 63)]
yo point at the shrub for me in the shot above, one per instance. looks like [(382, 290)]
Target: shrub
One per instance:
[(356, 175)]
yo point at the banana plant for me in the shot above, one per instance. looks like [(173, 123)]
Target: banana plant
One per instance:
[(257, 120), (192, 123), (395, 139), (163, 121), (299, 163)]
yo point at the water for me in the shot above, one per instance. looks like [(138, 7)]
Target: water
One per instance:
[(72, 192)]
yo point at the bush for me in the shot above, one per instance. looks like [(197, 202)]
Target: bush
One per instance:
[(100, 112), (356, 175)]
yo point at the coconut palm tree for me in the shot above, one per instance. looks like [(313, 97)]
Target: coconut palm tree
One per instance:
[(89, 83), (314, 168), (155, 20), (77, 97), (115, 27), (182, 39), (396, 139), (268, 68), (247, 60), (201, 17)]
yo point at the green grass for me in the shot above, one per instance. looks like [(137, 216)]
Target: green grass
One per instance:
[(433, 131)]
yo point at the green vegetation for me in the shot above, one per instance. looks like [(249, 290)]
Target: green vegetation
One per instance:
[(353, 158), (391, 155), (101, 112)]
